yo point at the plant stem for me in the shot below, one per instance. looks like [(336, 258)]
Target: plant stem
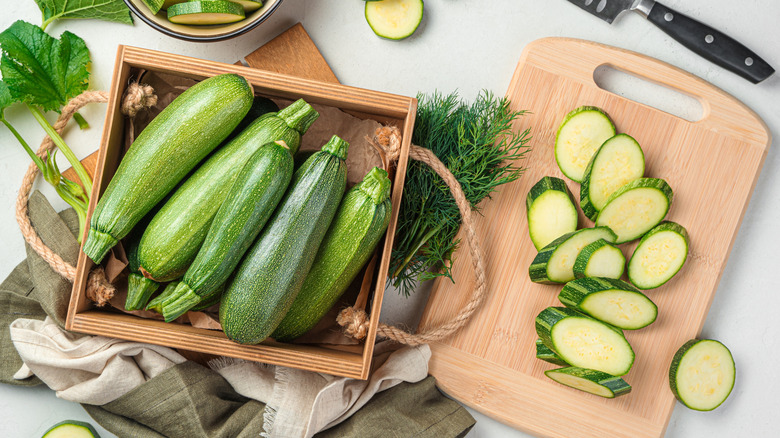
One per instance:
[(36, 159), (78, 206), (83, 124), (86, 181), (417, 247)]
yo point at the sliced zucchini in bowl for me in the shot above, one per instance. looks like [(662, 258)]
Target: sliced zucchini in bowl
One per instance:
[(394, 19), (609, 300), (249, 5), (659, 256), (599, 259), (702, 374), (617, 162), (591, 381), (636, 208), (580, 135), (205, 12), (550, 210), (555, 262), (71, 429)]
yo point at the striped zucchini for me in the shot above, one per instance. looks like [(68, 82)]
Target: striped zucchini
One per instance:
[(139, 288), (359, 224), (167, 149), (599, 259), (583, 341), (544, 353), (271, 274), (257, 190), (616, 163), (551, 211), (555, 262), (591, 381), (156, 303), (612, 301), (659, 256), (173, 238), (636, 208), (702, 374)]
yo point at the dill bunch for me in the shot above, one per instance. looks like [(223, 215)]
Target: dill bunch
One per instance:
[(478, 146)]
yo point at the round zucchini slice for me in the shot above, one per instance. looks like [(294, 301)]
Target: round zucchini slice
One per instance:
[(702, 374), (659, 256), (580, 135), (205, 12), (599, 259), (636, 208), (609, 300), (71, 429), (394, 19), (591, 381), (551, 211)]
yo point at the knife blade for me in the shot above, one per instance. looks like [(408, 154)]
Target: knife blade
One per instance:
[(707, 42)]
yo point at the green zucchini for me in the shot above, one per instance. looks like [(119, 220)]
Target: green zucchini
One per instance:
[(609, 300), (702, 374), (555, 262), (544, 353), (271, 274), (71, 429), (157, 302), (360, 223), (206, 12), (583, 341), (209, 300), (168, 148), (394, 19), (580, 135), (551, 211), (591, 381), (258, 188), (599, 259), (260, 106), (139, 288), (659, 256), (249, 5), (636, 208), (616, 163), (173, 238)]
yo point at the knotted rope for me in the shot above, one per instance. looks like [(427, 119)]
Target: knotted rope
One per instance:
[(355, 321), (98, 288)]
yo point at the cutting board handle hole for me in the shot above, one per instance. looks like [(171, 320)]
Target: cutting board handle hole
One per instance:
[(644, 91)]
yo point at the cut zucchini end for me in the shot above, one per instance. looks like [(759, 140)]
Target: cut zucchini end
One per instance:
[(590, 381), (636, 208), (394, 19), (702, 374), (71, 429), (206, 12), (551, 216), (559, 256), (600, 259), (580, 135), (621, 308), (660, 255)]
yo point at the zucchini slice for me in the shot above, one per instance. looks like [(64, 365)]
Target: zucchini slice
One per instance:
[(599, 259), (581, 133), (555, 262), (659, 256), (551, 211), (71, 429), (617, 162), (591, 381), (249, 5), (544, 353), (702, 374), (583, 341), (394, 19), (609, 300), (206, 12), (636, 208)]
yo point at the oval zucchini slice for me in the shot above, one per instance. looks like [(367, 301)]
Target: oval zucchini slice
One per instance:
[(591, 381), (205, 12), (617, 162), (609, 300), (659, 256), (71, 429), (249, 5), (555, 262), (544, 353), (636, 208), (580, 135), (394, 19), (583, 341), (599, 259), (702, 374), (551, 211)]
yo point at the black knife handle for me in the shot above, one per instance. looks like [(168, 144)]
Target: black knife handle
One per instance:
[(715, 46)]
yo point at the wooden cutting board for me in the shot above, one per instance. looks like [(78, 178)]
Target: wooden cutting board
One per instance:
[(712, 165)]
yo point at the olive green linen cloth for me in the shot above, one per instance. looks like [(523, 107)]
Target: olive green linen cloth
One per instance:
[(187, 399)]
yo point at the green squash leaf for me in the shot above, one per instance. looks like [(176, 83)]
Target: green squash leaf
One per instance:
[(5, 98), (41, 70), (108, 10)]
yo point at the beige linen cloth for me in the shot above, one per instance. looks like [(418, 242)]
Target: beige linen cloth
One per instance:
[(97, 370)]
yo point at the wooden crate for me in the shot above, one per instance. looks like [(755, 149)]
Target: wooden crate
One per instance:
[(348, 360)]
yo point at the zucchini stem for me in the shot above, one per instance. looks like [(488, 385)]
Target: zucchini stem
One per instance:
[(82, 122)]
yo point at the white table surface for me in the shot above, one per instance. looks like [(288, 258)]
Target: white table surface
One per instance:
[(469, 46)]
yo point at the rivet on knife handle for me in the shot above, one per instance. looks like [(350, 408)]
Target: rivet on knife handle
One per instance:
[(710, 44)]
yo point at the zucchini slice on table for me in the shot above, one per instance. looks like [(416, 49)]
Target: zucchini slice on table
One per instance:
[(702, 374), (636, 208), (206, 12), (544, 353), (599, 259), (659, 256), (551, 211), (555, 262), (583, 341), (580, 135), (616, 163), (71, 429), (394, 19), (612, 301), (591, 381)]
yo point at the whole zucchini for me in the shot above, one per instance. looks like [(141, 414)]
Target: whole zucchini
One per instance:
[(272, 272), (359, 224), (168, 148), (139, 288), (253, 197), (173, 238)]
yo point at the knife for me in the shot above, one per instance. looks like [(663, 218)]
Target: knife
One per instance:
[(714, 46)]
